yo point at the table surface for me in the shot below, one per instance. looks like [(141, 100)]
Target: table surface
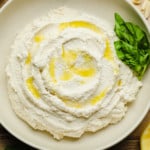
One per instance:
[(132, 142)]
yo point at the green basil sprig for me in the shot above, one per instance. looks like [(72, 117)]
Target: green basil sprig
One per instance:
[(133, 47)]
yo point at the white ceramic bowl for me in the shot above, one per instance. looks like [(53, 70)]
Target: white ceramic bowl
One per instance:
[(13, 17)]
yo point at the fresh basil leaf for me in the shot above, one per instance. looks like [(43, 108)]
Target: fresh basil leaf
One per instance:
[(133, 47), (126, 48), (122, 31), (138, 34), (144, 43)]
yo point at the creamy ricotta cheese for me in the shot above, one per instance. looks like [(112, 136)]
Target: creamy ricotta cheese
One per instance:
[(64, 76)]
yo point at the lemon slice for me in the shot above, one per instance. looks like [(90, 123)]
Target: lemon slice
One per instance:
[(145, 139)]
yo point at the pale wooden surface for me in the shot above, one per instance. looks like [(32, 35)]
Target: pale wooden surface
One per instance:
[(132, 142)]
